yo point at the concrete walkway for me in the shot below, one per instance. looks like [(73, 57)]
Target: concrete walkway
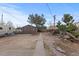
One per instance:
[(39, 50)]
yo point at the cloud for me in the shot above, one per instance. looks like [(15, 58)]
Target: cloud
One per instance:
[(10, 13)]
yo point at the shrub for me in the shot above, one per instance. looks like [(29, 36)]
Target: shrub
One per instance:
[(76, 34), (71, 27)]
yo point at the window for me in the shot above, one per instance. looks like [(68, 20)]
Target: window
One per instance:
[(9, 28), (1, 28)]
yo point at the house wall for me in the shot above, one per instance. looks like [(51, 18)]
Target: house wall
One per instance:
[(5, 29), (29, 30), (10, 29)]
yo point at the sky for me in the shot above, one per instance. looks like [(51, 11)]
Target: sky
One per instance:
[(18, 13)]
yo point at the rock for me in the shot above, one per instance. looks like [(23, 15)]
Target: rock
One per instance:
[(78, 38), (72, 36), (66, 37), (59, 49)]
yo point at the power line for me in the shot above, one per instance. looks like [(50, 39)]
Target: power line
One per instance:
[(9, 14), (49, 9), (51, 13)]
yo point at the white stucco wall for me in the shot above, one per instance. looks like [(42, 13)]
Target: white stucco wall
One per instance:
[(6, 29)]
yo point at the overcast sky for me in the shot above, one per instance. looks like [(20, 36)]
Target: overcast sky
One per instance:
[(18, 12)]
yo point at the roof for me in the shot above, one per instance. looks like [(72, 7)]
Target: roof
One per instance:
[(18, 28), (29, 26)]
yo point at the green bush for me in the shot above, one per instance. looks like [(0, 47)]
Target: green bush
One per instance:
[(71, 27), (61, 27), (76, 34)]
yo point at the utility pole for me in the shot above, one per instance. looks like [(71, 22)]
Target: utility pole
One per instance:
[(2, 19), (54, 19)]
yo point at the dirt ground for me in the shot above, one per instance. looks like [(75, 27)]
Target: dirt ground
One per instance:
[(57, 47), (22, 44), (25, 45)]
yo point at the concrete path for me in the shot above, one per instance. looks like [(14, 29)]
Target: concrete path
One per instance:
[(39, 50)]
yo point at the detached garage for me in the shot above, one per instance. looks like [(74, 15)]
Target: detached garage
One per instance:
[(28, 29)]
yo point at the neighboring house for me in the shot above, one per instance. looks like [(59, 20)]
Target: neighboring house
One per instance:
[(10, 28), (2, 29), (6, 28), (28, 29)]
